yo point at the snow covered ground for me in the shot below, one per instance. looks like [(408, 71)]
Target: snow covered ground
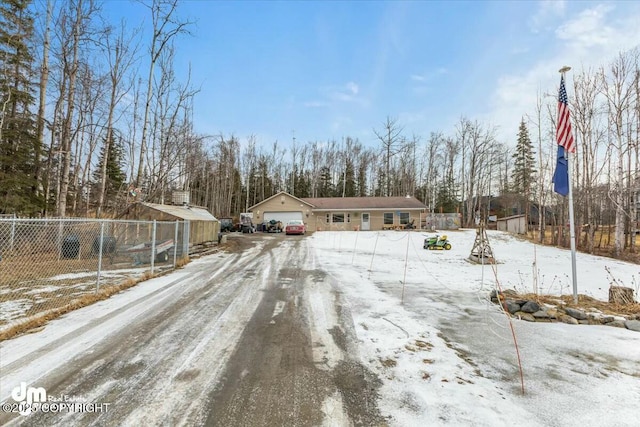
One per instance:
[(446, 355), (417, 320)]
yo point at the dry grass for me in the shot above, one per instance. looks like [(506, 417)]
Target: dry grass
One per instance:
[(17, 269), (606, 249), (83, 301), (603, 239), (584, 303), (388, 363), (39, 320), (181, 262)]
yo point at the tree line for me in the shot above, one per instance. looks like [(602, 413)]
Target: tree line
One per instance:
[(93, 117)]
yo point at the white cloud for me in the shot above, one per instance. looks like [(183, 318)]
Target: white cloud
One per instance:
[(421, 82), (341, 96), (428, 75), (589, 28), (341, 124), (591, 38), (352, 87), (345, 93), (315, 104), (548, 11)]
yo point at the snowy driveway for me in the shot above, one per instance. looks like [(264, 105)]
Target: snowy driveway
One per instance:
[(332, 329), (252, 337)]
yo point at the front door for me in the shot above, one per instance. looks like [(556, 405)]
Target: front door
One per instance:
[(365, 222)]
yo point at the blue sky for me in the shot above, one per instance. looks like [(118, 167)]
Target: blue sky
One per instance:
[(330, 69)]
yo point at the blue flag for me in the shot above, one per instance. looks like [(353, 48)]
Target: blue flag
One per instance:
[(561, 175)]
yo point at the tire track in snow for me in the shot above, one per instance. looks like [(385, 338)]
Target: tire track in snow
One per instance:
[(181, 334)]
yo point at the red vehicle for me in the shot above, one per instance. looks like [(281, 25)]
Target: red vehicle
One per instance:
[(295, 226)]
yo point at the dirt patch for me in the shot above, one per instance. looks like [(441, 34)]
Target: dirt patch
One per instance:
[(339, 338), (388, 363), (359, 390), (461, 353), (424, 344), (239, 242)]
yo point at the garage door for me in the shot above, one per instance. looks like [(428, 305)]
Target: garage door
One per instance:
[(282, 216)]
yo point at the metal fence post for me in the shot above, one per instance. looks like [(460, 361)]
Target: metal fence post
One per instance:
[(100, 244), (13, 234), (186, 236), (60, 232), (153, 246), (175, 244)]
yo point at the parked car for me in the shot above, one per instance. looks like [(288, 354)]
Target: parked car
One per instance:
[(246, 224), (295, 226), (227, 225), (248, 227), (273, 226)]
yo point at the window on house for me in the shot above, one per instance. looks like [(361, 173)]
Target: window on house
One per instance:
[(404, 218), (328, 218), (388, 218), (337, 217), (348, 217)]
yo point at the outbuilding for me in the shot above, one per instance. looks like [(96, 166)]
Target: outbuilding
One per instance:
[(516, 224), (203, 226)]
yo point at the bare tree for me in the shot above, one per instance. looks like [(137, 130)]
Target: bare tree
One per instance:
[(165, 28), (391, 139), (433, 162), (88, 130), (120, 51), (44, 79), (541, 135), (248, 163), (618, 89), (77, 14), (475, 143), (171, 122), (586, 117)]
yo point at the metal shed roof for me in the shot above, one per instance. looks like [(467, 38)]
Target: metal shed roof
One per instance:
[(191, 213)]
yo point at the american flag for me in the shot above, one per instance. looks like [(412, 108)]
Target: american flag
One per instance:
[(563, 132)]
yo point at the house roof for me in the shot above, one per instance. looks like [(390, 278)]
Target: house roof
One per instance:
[(280, 194), (191, 213), (360, 203)]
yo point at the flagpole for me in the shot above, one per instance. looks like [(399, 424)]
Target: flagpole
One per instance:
[(572, 230)]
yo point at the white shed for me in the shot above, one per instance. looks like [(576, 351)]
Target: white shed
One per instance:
[(516, 224)]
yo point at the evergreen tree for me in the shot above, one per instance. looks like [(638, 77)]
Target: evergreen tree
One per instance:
[(348, 181), (447, 196), (264, 181), (524, 164), (116, 176), (17, 125), (325, 189), (362, 180), (303, 185)]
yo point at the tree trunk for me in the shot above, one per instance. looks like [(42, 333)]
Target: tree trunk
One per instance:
[(66, 131)]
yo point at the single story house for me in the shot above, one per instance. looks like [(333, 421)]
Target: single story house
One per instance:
[(341, 213)]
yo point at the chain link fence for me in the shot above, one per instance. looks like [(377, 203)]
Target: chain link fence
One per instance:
[(49, 264)]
